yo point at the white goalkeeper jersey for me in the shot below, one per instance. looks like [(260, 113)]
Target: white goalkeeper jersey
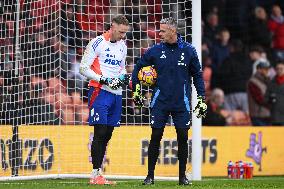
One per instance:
[(103, 57)]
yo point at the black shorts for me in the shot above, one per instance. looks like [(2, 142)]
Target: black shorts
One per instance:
[(181, 119)]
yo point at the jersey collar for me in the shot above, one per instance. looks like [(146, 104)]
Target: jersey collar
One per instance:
[(179, 42)]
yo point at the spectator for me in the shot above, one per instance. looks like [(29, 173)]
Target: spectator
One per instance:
[(257, 85), (206, 67), (211, 26), (276, 26), (259, 33), (275, 95), (207, 73), (216, 114), (256, 55), (268, 4), (216, 6), (232, 77), (220, 49), (219, 53)]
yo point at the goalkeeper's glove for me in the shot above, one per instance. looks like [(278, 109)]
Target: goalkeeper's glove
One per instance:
[(201, 107), (137, 96), (125, 79), (113, 83)]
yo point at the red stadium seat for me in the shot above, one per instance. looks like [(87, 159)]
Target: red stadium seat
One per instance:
[(92, 17), (39, 9)]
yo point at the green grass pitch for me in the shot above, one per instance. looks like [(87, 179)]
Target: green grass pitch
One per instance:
[(206, 183)]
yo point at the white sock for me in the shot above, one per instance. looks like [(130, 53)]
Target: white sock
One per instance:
[(96, 172)]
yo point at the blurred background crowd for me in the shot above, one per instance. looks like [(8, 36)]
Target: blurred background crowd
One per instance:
[(242, 57)]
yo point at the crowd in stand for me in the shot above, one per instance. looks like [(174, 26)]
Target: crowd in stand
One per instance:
[(242, 57), (242, 48)]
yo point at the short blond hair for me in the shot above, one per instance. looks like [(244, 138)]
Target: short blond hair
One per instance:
[(120, 20)]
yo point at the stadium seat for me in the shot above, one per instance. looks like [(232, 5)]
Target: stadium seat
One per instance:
[(92, 17), (39, 9)]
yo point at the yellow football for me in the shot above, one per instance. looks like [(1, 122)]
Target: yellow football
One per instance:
[(147, 76)]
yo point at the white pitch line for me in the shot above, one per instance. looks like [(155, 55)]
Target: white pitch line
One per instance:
[(36, 183), (12, 183)]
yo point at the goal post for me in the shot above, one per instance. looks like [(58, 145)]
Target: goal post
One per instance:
[(197, 127), (42, 43)]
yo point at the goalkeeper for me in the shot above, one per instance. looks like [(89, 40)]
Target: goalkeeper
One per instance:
[(176, 63), (103, 64)]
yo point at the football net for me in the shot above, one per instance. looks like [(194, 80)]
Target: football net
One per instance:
[(43, 100)]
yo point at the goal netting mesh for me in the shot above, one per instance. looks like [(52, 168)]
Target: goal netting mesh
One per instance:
[(43, 100)]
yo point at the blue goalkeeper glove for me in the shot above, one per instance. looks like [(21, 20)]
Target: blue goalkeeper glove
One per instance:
[(113, 83), (125, 79), (137, 96), (201, 107)]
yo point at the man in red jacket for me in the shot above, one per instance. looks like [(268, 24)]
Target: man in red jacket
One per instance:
[(257, 85), (276, 26)]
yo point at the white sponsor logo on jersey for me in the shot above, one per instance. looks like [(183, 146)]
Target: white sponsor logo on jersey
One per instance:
[(163, 55)]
